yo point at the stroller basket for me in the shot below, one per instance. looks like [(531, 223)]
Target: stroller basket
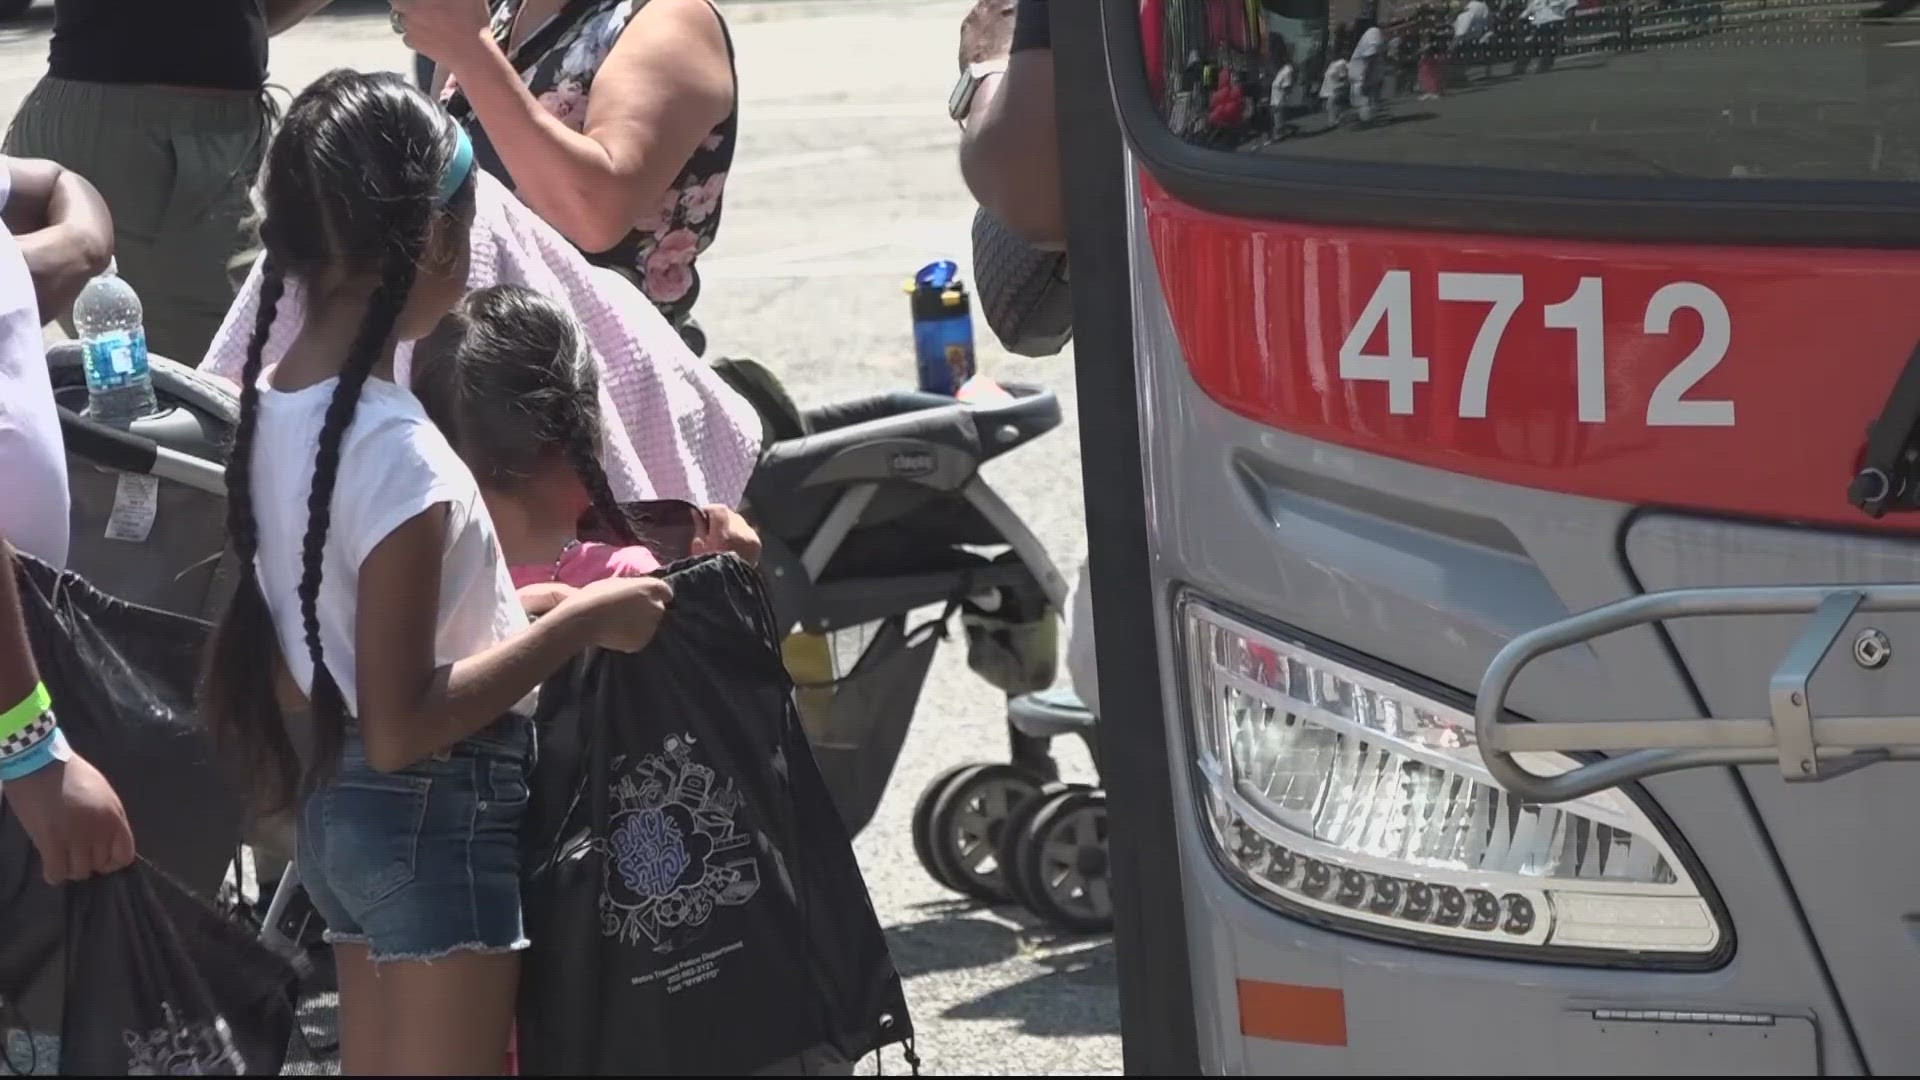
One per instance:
[(857, 724)]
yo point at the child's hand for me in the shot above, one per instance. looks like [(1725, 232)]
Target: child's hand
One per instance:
[(623, 613), (725, 530), (544, 597)]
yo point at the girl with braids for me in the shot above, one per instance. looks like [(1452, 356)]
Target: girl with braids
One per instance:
[(377, 571), (508, 378)]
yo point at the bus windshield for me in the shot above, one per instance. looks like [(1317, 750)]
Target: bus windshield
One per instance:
[(1697, 89)]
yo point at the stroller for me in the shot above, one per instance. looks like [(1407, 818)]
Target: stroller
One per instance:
[(871, 510)]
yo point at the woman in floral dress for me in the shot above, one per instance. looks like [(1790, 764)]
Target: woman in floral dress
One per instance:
[(613, 119)]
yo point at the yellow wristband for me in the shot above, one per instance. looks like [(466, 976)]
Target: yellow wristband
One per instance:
[(16, 719)]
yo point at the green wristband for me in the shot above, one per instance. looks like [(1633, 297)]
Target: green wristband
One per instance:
[(16, 719)]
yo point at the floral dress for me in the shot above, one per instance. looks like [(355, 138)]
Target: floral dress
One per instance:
[(558, 62)]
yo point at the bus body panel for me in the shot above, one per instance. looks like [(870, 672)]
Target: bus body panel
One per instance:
[(1431, 572), (1675, 375), (1848, 842)]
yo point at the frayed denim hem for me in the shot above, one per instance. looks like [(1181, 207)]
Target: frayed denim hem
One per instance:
[(478, 948)]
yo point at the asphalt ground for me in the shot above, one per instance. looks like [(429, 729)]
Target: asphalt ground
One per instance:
[(846, 182)]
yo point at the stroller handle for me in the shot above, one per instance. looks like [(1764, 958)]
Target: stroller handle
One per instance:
[(103, 445), (124, 451)]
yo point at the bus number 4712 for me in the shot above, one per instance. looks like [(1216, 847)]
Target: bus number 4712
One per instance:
[(1400, 367)]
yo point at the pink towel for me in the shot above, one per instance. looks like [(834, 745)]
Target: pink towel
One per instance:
[(683, 433)]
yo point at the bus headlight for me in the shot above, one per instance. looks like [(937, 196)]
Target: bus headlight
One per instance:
[(1343, 796)]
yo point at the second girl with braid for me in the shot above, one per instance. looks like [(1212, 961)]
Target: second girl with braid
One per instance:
[(377, 571), (508, 378)]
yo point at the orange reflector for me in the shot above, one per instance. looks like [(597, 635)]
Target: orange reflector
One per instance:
[(1297, 1014)]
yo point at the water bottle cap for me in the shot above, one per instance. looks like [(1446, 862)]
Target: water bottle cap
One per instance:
[(938, 276)]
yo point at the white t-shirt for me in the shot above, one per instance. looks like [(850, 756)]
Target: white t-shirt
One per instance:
[(1369, 45), (33, 461), (1471, 24), (394, 464), (1282, 86), (1334, 80)]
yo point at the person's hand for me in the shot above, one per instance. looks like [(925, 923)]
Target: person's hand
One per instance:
[(447, 32), (723, 529), (543, 597), (74, 819), (622, 613), (60, 267), (987, 32)]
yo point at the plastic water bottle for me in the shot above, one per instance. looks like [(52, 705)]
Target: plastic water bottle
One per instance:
[(942, 328), (108, 317)]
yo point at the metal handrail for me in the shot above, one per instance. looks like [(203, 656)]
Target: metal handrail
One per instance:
[(1807, 747)]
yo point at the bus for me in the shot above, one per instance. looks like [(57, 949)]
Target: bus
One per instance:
[(1503, 548)]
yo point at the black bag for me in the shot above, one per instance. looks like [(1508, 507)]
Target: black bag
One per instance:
[(692, 897), (121, 677), (122, 680), (160, 984), (1024, 291)]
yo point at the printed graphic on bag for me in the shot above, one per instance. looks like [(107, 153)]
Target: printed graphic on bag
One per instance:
[(178, 1048), (674, 854)]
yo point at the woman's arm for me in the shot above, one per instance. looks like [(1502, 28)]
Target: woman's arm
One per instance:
[(661, 91), (63, 228), (411, 706), (1010, 146)]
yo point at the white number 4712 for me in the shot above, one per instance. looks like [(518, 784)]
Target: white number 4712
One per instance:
[(1400, 367)]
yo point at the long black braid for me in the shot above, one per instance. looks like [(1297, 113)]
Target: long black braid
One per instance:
[(509, 378), (235, 681), (349, 187), (383, 313)]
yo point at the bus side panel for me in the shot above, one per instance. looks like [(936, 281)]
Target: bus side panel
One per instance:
[(1848, 842), (1380, 556)]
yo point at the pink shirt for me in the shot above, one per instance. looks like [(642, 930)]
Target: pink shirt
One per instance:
[(584, 564)]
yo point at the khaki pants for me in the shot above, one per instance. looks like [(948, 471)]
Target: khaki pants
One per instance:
[(175, 166)]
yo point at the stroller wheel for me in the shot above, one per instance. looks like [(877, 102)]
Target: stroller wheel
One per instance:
[(923, 823), (1008, 849), (1063, 863), (967, 823)]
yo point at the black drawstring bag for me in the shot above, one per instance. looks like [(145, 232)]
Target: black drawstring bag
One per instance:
[(692, 896), (121, 677), (122, 680), (160, 984)]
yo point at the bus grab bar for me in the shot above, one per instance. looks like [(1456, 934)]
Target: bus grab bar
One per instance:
[(1807, 747)]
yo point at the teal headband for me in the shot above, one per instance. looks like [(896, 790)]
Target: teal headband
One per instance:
[(457, 169)]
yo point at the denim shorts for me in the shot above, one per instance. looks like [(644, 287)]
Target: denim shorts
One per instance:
[(424, 862)]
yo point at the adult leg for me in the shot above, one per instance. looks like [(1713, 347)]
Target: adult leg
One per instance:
[(218, 139)]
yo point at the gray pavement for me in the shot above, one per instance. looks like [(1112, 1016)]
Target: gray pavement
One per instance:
[(846, 181)]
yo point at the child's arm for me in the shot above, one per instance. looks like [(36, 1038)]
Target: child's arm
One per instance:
[(543, 597), (411, 707)]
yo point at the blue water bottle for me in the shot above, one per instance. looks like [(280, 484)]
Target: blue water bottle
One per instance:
[(942, 328)]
